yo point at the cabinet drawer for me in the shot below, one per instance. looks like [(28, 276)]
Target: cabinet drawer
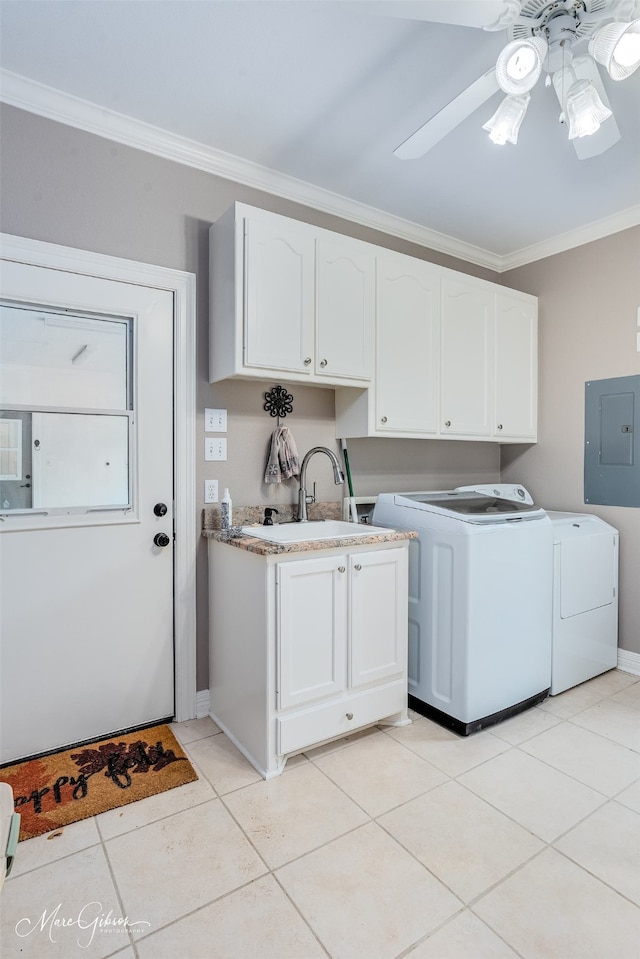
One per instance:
[(325, 721)]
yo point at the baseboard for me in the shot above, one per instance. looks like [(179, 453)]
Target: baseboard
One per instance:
[(203, 700), (629, 662)]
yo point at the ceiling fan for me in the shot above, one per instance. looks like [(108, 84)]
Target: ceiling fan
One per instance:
[(566, 39)]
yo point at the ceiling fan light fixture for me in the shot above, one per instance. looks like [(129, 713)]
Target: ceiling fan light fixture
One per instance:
[(519, 65), (585, 111), (617, 47), (505, 123)]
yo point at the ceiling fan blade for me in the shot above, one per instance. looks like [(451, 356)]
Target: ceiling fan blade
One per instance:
[(461, 13), (449, 117)]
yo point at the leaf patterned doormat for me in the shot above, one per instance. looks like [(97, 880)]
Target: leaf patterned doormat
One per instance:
[(74, 784)]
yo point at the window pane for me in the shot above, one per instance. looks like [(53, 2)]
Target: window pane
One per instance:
[(73, 460), (61, 359)]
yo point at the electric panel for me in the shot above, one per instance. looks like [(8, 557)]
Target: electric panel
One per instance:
[(612, 441)]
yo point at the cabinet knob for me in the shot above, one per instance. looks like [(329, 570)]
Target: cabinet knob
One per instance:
[(357, 566), (341, 569), (383, 419), (499, 426), (349, 715), (447, 423), (307, 361), (323, 363)]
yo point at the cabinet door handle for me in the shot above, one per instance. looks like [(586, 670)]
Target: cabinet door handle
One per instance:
[(349, 715), (307, 361), (383, 419), (447, 422), (341, 569), (357, 566), (323, 363), (499, 426)]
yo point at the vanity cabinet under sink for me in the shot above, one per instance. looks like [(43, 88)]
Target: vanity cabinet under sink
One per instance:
[(306, 646)]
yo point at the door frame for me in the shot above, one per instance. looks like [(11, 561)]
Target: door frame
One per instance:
[(183, 287)]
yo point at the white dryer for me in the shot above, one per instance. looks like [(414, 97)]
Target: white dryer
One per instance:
[(480, 590), (585, 599)]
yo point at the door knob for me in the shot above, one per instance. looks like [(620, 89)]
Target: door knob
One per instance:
[(160, 509), (161, 539)]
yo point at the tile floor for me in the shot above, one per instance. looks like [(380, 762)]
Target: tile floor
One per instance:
[(523, 840)]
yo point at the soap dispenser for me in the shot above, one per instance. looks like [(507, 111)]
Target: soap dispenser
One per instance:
[(268, 514), (226, 508)]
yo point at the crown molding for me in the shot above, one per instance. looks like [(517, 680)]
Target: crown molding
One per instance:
[(568, 241), (45, 101)]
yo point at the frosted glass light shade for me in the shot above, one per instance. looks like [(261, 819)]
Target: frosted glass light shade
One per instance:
[(505, 123), (519, 65), (585, 110), (617, 47)]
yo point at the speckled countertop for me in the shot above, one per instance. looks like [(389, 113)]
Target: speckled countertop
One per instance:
[(250, 515)]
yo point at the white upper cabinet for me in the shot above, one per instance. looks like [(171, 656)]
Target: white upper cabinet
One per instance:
[(279, 296), (515, 352), (345, 271), (465, 358), (289, 300), (413, 349)]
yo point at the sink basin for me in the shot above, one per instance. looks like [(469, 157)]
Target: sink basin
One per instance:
[(315, 530)]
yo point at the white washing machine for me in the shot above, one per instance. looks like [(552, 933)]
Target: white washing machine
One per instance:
[(480, 589), (585, 599)]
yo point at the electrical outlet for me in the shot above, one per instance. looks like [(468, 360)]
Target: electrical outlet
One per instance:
[(215, 449), (211, 491), (215, 421)]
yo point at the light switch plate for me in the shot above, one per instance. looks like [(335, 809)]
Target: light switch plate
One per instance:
[(215, 448), (215, 421)]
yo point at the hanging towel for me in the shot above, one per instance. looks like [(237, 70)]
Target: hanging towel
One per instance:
[(283, 461)]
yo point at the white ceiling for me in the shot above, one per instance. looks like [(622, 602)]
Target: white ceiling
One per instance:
[(322, 91)]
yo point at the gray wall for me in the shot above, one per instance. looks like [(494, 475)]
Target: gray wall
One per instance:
[(68, 187), (589, 298)]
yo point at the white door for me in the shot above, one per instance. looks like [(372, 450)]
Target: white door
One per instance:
[(86, 568), (515, 367), (465, 343), (378, 582)]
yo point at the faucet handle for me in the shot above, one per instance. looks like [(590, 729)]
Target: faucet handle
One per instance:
[(311, 497)]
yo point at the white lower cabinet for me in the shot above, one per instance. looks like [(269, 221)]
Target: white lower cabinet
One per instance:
[(328, 636)]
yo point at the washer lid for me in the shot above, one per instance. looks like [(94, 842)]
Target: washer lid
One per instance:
[(472, 506)]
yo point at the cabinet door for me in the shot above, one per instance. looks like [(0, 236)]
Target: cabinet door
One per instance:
[(345, 279), (465, 358), (515, 367), (312, 629), (407, 327), (279, 295), (378, 616)]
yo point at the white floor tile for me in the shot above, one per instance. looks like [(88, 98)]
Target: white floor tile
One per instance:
[(379, 773), (629, 696), (614, 721), (255, 921), (630, 797), (463, 937), (364, 896), (194, 729), (54, 912), (223, 765), (587, 756), (290, 815), (115, 822), (57, 844), (446, 750), (552, 908), (532, 793), (462, 840), (171, 867), (524, 726), (607, 844)]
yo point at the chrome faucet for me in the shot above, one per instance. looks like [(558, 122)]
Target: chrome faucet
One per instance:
[(303, 497)]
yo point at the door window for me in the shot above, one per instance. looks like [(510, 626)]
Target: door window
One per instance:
[(66, 411)]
